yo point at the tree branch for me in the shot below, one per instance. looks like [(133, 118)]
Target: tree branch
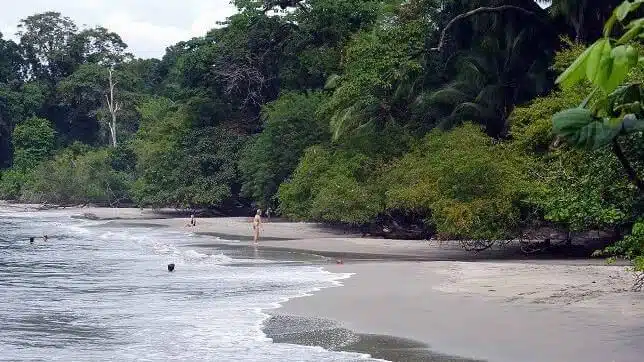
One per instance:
[(482, 10), (630, 171)]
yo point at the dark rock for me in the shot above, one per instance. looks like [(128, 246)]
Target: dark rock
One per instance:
[(90, 216)]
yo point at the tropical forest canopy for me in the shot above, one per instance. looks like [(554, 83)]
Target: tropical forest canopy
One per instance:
[(428, 114)]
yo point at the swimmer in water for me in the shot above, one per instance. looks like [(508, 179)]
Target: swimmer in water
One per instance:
[(45, 238)]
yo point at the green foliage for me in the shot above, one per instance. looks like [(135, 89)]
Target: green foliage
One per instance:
[(578, 190), (180, 166), (331, 185), (472, 186), (74, 177), (498, 67), (585, 191), (380, 68), (290, 120), (632, 246), (33, 142), (605, 64), (531, 124), (11, 183)]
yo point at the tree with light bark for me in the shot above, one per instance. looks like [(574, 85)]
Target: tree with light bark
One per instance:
[(112, 106)]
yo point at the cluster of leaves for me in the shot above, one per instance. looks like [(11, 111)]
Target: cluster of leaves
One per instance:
[(606, 65), (472, 186), (180, 166), (265, 162), (332, 185)]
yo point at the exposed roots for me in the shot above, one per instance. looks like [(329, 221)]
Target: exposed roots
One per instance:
[(476, 245), (532, 247)]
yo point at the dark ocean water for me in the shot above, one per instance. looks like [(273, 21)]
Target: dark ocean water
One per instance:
[(100, 292)]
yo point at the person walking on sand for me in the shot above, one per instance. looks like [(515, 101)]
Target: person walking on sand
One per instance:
[(257, 223)]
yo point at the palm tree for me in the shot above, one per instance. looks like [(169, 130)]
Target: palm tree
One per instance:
[(585, 16), (506, 67)]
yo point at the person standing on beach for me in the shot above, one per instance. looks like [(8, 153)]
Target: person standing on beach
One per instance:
[(269, 211), (257, 222)]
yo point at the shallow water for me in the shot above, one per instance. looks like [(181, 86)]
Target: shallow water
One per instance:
[(100, 292)]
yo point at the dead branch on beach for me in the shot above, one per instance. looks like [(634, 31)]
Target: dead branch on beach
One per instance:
[(476, 245)]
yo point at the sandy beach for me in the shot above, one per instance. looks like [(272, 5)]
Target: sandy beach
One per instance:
[(496, 306)]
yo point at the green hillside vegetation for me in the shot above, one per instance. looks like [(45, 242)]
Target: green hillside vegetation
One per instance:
[(467, 120)]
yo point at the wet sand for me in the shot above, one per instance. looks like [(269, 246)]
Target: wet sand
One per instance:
[(437, 303), (518, 312)]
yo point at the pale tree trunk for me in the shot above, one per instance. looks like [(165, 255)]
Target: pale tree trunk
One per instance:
[(113, 107)]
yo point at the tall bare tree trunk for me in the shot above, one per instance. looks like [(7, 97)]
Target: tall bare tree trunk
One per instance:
[(113, 107)]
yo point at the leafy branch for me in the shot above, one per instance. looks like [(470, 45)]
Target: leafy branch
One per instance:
[(617, 110)]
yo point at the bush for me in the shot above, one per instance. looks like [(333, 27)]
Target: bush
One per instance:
[(199, 169), (331, 185), (472, 186), (11, 183), (73, 178), (33, 142)]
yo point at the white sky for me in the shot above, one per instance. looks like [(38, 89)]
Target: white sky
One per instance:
[(147, 26)]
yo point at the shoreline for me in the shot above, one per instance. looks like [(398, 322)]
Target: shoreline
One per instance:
[(487, 318), (410, 300)]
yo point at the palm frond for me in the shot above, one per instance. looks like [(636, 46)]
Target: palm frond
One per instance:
[(449, 95)]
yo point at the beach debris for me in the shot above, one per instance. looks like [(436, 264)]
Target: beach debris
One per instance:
[(90, 216), (171, 267)]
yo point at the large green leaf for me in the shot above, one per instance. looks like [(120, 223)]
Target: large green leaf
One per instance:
[(622, 11), (615, 68), (576, 71), (634, 29), (580, 128), (598, 64), (333, 81)]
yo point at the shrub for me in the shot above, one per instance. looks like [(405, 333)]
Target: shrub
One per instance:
[(472, 186), (331, 185)]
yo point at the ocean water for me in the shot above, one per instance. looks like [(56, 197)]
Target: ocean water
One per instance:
[(99, 292)]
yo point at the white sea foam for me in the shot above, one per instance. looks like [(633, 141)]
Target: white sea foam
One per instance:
[(106, 280)]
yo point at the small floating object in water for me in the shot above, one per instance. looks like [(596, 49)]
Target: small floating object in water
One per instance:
[(171, 267)]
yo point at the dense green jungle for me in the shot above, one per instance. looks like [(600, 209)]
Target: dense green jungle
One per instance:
[(452, 119)]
